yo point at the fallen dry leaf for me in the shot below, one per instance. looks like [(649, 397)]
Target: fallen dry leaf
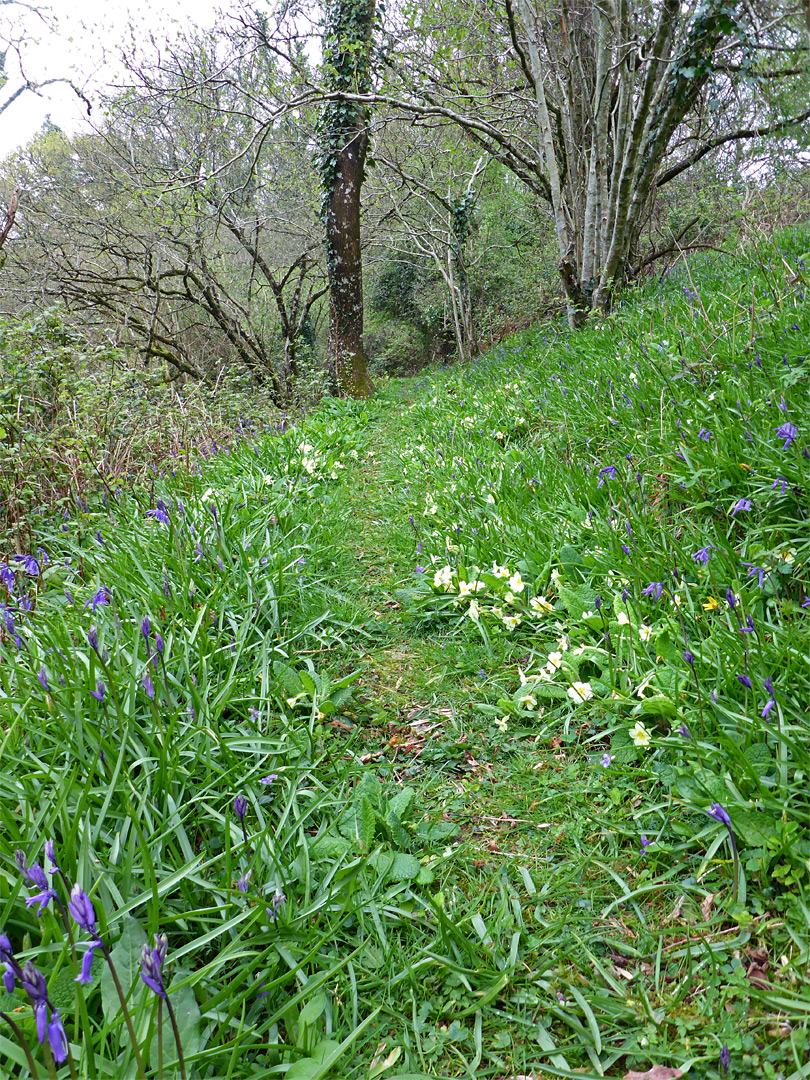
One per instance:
[(657, 1072), (758, 976), (707, 905)]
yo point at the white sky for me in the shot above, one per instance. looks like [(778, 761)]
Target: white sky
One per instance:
[(80, 41)]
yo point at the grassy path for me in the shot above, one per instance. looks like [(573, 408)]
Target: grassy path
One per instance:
[(506, 850)]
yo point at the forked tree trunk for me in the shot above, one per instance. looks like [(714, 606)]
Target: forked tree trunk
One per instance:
[(607, 108)]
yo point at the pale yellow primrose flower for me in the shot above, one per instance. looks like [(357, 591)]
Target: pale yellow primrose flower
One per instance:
[(579, 692), (443, 579), (640, 735), (539, 603), (516, 583)]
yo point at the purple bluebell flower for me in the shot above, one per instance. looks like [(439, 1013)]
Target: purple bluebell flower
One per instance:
[(160, 513), (684, 732), (146, 629), (57, 1038), (69, 597), (9, 977), (759, 571), (717, 812), (82, 911), (702, 555), (419, 570), (609, 471), (198, 551), (240, 805), (147, 685), (704, 434), (626, 549), (50, 855), (655, 589), (7, 576), (269, 779), (243, 883), (744, 681), (33, 982), (37, 878), (777, 482), (159, 644), (98, 693), (605, 761), (769, 704), (152, 965), (740, 504), (731, 599), (725, 1059), (99, 598), (29, 564), (42, 677), (749, 626), (645, 843), (689, 658), (167, 592), (788, 432), (277, 900)]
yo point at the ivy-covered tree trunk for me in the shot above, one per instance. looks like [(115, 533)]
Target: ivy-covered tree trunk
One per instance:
[(348, 42)]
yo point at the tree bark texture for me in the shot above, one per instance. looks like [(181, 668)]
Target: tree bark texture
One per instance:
[(348, 43), (347, 360)]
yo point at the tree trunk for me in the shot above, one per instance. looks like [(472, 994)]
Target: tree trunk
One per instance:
[(347, 359), (348, 40)]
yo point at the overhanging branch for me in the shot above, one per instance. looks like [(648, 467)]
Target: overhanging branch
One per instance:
[(732, 136)]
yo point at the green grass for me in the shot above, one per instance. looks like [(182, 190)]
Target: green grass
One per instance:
[(456, 831)]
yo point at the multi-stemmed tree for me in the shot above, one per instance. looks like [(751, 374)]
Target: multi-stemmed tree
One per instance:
[(596, 105)]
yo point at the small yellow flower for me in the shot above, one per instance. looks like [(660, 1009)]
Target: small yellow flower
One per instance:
[(711, 604)]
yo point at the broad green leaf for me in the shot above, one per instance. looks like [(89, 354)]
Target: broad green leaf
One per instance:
[(401, 803), (187, 1014), (126, 956)]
